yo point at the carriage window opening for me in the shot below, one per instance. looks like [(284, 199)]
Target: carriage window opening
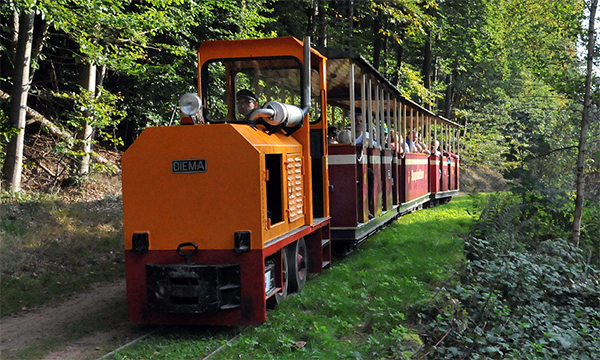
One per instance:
[(274, 188), (270, 79), (315, 93)]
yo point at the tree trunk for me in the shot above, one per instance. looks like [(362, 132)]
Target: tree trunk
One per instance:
[(427, 56), (85, 134), (350, 23), (15, 36), (399, 56), (38, 43), (449, 93), (377, 46), (311, 10), (585, 122), (427, 62), (14, 153), (322, 24)]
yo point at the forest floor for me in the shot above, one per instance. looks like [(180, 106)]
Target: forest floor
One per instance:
[(98, 313), (26, 334)]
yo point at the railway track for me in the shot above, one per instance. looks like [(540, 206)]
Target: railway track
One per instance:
[(207, 357), (135, 341)]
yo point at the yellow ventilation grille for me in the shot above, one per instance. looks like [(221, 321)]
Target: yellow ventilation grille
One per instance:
[(295, 186)]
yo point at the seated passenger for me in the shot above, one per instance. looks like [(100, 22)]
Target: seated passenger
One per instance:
[(344, 137), (359, 135), (394, 137), (435, 148), (332, 135), (246, 102), (421, 143), (411, 138), (403, 148)]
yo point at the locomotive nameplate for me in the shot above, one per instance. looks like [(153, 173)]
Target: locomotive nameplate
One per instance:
[(188, 166)]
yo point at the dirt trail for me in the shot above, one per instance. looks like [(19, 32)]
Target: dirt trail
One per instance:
[(30, 329)]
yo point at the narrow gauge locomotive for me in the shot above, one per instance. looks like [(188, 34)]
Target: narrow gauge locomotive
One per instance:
[(232, 212)]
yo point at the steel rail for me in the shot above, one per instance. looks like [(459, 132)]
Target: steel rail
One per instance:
[(207, 357)]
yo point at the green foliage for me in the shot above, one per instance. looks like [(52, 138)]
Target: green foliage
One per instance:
[(516, 87), (99, 111), (520, 297), (116, 33), (397, 27), (410, 84), (485, 148)]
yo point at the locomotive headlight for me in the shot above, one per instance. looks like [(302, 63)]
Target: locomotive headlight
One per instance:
[(190, 104)]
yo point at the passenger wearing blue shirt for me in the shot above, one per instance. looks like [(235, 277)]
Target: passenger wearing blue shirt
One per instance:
[(359, 135), (411, 142)]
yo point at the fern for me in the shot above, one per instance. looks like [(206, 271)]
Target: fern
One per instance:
[(502, 223)]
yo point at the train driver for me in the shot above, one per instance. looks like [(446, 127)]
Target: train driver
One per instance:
[(246, 102)]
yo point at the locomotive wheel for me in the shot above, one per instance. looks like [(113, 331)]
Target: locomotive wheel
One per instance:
[(297, 263), (280, 296)]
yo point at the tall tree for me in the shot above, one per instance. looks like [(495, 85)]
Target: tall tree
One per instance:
[(84, 135), (14, 155), (321, 8), (585, 122)]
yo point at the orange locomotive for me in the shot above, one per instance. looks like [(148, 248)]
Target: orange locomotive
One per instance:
[(231, 213)]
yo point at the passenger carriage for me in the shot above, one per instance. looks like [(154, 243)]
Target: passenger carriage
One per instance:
[(403, 182)]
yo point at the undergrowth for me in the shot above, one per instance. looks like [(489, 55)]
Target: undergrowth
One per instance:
[(52, 246), (520, 296)]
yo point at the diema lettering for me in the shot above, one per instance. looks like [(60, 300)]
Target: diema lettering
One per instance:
[(188, 166)]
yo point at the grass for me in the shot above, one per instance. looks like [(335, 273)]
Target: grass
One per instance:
[(365, 307), (50, 249)]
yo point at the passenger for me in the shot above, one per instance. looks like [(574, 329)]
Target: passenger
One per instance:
[(370, 175), (445, 153), (246, 102), (435, 148), (386, 139), (344, 137), (394, 138), (404, 148), (411, 142), (332, 133), (416, 139), (398, 144), (421, 143), (359, 135)]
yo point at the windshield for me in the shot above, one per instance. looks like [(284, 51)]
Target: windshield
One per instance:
[(234, 87)]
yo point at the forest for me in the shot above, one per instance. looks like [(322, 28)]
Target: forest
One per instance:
[(91, 73), (522, 77)]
